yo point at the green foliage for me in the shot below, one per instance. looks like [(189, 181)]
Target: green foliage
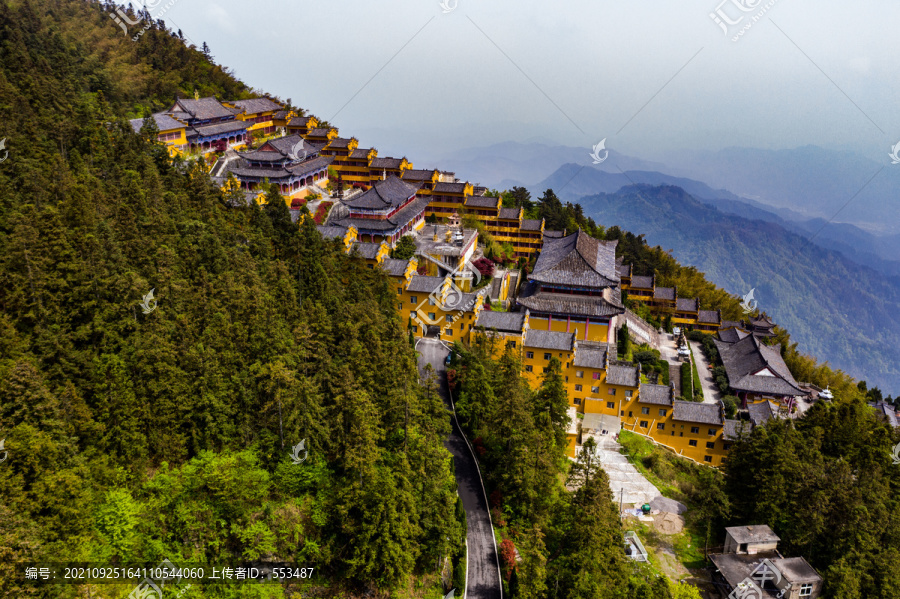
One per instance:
[(570, 542), (687, 381), (137, 436), (838, 458), (732, 404), (558, 217), (623, 341), (405, 248)]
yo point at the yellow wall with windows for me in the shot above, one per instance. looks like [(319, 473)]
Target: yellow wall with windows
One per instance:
[(596, 331)]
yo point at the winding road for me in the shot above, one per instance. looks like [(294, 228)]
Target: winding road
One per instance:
[(482, 567)]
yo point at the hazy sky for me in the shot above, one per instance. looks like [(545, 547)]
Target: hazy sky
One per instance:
[(651, 77)]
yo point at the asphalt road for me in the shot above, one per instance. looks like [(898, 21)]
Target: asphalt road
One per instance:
[(483, 567)]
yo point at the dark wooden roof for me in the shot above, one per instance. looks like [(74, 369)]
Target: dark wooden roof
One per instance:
[(625, 375), (203, 109), (386, 193), (608, 304), (662, 395), (696, 412), (256, 105), (748, 356), (578, 260), (549, 340), (507, 322)]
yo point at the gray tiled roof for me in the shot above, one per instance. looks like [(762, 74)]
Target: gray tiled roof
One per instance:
[(624, 270), (735, 428), (578, 260), (257, 105), (360, 153), (299, 121), (510, 213), (623, 375), (387, 193), (319, 132), (386, 162), (888, 411), (547, 232), (217, 128), (482, 202), (709, 316), (532, 224), (340, 143), (656, 394), (367, 250), (748, 356), (203, 109), (732, 335), (381, 225), (441, 187), (700, 413), (418, 174), (642, 282), (664, 293), (394, 267), (687, 305), (163, 122), (509, 322), (331, 232), (608, 304), (590, 355), (424, 284), (549, 340), (310, 166), (760, 413)]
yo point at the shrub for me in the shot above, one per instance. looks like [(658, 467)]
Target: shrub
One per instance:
[(731, 406), (686, 381)]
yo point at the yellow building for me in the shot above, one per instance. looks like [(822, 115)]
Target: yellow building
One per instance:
[(172, 132), (575, 285), (346, 235), (301, 125), (320, 134), (372, 253), (258, 111), (381, 168), (424, 178)]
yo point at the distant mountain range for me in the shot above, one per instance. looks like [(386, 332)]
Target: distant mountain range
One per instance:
[(835, 309), (572, 181)]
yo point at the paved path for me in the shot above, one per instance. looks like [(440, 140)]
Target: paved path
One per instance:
[(483, 567), (624, 479), (711, 393)]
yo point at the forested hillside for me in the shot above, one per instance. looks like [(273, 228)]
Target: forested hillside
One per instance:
[(134, 436)]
